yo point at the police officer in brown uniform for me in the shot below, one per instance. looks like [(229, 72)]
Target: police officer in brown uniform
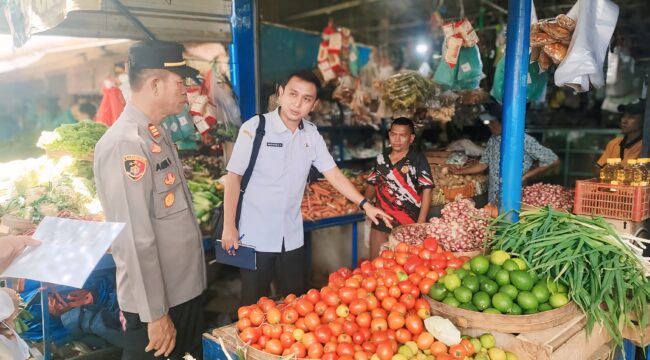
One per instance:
[(139, 177)]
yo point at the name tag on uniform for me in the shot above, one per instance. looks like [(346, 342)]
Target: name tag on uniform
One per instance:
[(274, 144), (163, 164)]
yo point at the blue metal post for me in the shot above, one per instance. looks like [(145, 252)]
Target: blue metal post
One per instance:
[(244, 53), (514, 104)]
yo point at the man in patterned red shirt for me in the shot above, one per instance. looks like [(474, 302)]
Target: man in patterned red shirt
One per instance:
[(399, 183)]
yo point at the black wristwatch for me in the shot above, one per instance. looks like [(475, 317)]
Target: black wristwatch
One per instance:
[(363, 202)]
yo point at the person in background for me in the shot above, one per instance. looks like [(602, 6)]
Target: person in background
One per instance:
[(84, 112), (534, 152), (11, 345), (629, 145), (271, 220), (160, 265), (400, 183)]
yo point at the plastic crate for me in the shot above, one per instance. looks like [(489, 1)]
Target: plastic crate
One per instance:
[(621, 202)]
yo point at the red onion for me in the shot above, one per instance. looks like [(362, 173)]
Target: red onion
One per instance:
[(547, 194)]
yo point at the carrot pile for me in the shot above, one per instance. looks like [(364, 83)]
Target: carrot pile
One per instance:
[(321, 200)]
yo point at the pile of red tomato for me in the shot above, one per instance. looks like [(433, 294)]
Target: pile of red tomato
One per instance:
[(362, 312)]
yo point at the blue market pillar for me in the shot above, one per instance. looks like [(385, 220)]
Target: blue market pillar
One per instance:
[(514, 104), (244, 56)]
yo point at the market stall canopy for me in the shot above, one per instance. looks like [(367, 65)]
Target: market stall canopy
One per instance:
[(182, 21), (47, 54)]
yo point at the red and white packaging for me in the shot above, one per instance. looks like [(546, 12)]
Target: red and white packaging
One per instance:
[(197, 106), (323, 51), (200, 123), (210, 114), (454, 43), (335, 43), (326, 70)]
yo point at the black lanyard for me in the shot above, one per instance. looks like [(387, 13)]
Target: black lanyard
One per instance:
[(624, 145)]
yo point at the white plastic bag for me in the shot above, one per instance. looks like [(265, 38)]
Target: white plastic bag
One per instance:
[(596, 20)]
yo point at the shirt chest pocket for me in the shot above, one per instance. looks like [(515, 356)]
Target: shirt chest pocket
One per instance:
[(169, 196)]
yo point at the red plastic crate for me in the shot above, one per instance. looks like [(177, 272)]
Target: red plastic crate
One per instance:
[(621, 202)]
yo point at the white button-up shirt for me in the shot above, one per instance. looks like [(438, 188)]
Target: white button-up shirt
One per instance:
[(270, 211)]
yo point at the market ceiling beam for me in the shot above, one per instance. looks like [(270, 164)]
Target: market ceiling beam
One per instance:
[(329, 9)]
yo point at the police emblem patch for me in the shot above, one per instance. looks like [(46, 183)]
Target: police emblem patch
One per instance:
[(169, 199), (135, 166), (170, 178)]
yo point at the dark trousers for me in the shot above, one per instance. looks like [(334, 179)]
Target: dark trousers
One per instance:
[(287, 267), (188, 320)]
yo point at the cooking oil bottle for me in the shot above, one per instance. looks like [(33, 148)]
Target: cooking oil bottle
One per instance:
[(607, 172), (644, 170), (629, 170), (618, 171)]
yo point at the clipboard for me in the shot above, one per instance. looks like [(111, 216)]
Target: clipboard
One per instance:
[(245, 257)]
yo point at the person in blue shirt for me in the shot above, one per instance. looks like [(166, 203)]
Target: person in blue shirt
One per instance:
[(538, 159)]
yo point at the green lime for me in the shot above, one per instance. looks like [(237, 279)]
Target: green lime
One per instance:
[(502, 302), (527, 300), (471, 282), (541, 292), (492, 271), (466, 266), (482, 278), (516, 310), (511, 356), (534, 276), (521, 280), (463, 294), (520, 263), (544, 307), (489, 287), (452, 281), (461, 273), (481, 300), (510, 265), (562, 288), (503, 277), (530, 311), (551, 285), (491, 311), (437, 291), (451, 301), (479, 264), (509, 290), (498, 257), (450, 270), (558, 300), (468, 306)]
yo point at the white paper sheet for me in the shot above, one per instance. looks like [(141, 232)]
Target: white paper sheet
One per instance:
[(69, 252)]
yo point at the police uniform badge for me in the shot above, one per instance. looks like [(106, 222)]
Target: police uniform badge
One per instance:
[(153, 130), (155, 148), (135, 166), (170, 178), (169, 199)]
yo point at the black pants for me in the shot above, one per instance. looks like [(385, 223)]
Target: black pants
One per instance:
[(287, 267), (188, 320)]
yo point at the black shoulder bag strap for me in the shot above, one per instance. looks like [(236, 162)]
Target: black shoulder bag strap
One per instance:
[(257, 144)]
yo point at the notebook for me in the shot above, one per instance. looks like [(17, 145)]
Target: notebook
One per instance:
[(245, 257)]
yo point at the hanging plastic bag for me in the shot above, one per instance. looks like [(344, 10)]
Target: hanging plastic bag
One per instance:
[(535, 83), (470, 69), (596, 21), (445, 75)]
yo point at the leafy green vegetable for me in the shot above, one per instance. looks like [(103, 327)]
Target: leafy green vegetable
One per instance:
[(76, 139), (605, 277)]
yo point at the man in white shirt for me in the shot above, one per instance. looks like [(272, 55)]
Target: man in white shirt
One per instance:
[(270, 219)]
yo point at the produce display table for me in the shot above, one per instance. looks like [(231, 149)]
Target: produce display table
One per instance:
[(353, 219)]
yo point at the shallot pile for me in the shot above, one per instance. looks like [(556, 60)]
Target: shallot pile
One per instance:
[(413, 234), (541, 195), (462, 226)]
